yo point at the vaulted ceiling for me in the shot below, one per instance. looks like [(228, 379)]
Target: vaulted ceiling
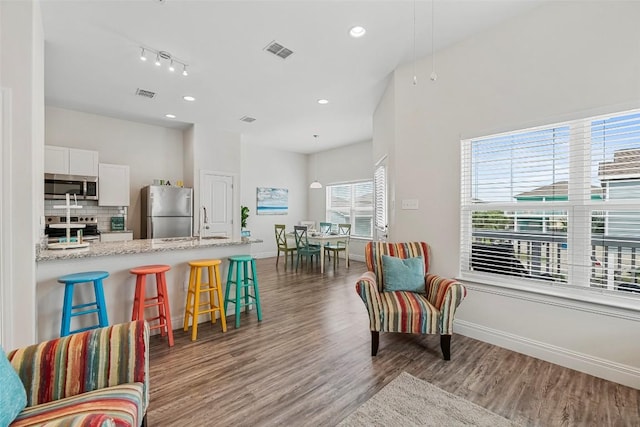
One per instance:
[(93, 64)]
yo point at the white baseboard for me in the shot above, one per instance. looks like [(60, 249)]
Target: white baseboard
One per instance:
[(612, 371)]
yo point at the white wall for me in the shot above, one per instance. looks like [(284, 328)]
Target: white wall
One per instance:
[(152, 152), (563, 60), (264, 167), (344, 164), (214, 150), (22, 81)]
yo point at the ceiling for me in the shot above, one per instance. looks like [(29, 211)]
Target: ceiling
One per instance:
[(92, 60)]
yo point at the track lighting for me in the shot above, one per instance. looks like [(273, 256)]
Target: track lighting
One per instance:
[(164, 57)]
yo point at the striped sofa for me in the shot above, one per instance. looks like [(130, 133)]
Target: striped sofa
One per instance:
[(431, 312), (93, 378)]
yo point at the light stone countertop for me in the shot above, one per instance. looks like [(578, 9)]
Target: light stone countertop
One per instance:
[(138, 246)]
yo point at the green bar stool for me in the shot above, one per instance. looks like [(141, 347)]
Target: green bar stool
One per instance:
[(239, 264), (98, 306)]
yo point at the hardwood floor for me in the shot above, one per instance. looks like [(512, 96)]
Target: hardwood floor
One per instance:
[(308, 363)]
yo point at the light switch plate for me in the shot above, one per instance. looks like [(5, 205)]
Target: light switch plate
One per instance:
[(410, 204)]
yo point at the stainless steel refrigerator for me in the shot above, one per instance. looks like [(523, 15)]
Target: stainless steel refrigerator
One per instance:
[(166, 211)]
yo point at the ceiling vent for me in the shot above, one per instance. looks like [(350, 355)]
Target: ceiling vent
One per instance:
[(278, 50), (145, 93), (247, 119)]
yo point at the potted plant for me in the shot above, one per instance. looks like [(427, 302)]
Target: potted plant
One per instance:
[(244, 214)]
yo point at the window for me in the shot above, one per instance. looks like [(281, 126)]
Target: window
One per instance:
[(559, 205), (352, 203)]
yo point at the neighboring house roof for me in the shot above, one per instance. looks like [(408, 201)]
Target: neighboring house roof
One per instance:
[(556, 191), (625, 165)]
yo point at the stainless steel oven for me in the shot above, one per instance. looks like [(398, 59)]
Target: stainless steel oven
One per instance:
[(89, 232), (58, 186)]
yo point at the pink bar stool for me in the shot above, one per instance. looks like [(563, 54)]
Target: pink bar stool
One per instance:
[(140, 301)]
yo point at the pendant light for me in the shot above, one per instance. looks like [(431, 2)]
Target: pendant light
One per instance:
[(316, 184)]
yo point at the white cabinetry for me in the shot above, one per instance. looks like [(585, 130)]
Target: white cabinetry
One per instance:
[(70, 161), (116, 237), (113, 185)]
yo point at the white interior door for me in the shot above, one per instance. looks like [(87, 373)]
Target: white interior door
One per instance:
[(216, 199)]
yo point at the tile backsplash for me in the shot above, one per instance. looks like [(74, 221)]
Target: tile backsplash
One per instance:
[(89, 208)]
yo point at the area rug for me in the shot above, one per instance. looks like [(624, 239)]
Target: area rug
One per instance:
[(409, 401)]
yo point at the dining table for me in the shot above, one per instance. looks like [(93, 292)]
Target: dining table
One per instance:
[(324, 238)]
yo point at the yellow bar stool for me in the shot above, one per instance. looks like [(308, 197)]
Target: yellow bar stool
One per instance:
[(195, 306)]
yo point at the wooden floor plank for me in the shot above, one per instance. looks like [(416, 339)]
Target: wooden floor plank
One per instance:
[(308, 363)]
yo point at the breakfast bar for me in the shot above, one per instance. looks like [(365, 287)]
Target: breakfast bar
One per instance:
[(117, 258)]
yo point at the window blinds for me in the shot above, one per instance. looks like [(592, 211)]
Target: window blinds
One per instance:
[(558, 204), (380, 184), (352, 204)]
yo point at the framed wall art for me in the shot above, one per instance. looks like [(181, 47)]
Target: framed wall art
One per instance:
[(272, 201)]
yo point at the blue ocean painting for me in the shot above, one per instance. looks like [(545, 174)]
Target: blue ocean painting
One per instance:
[(272, 201)]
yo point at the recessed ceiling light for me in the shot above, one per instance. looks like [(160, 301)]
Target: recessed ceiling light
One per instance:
[(323, 101), (170, 116), (188, 98), (357, 31)]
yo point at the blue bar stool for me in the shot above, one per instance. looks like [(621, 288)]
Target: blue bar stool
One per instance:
[(99, 306), (240, 265)]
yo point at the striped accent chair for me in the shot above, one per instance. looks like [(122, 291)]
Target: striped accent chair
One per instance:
[(93, 378), (431, 312)]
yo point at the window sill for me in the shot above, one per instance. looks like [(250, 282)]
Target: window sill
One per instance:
[(588, 299)]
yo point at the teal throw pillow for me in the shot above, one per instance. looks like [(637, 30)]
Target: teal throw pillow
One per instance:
[(403, 274), (13, 397)]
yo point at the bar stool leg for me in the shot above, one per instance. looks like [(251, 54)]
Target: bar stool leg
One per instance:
[(141, 295), (255, 289), (102, 310), (162, 293), (223, 319), (66, 310), (196, 304), (188, 312), (239, 281), (245, 285), (136, 299), (162, 315), (228, 285), (212, 285)]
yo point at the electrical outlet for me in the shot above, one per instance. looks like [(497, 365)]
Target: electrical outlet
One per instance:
[(410, 204)]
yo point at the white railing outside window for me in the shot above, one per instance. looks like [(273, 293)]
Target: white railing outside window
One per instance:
[(559, 205)]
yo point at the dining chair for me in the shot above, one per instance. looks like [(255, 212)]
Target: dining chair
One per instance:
[(340, 245), (325, 228), (311, 225), (283, 245), (304, 249)]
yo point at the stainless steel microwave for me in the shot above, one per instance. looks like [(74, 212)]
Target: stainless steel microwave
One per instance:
[(58, 186)]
